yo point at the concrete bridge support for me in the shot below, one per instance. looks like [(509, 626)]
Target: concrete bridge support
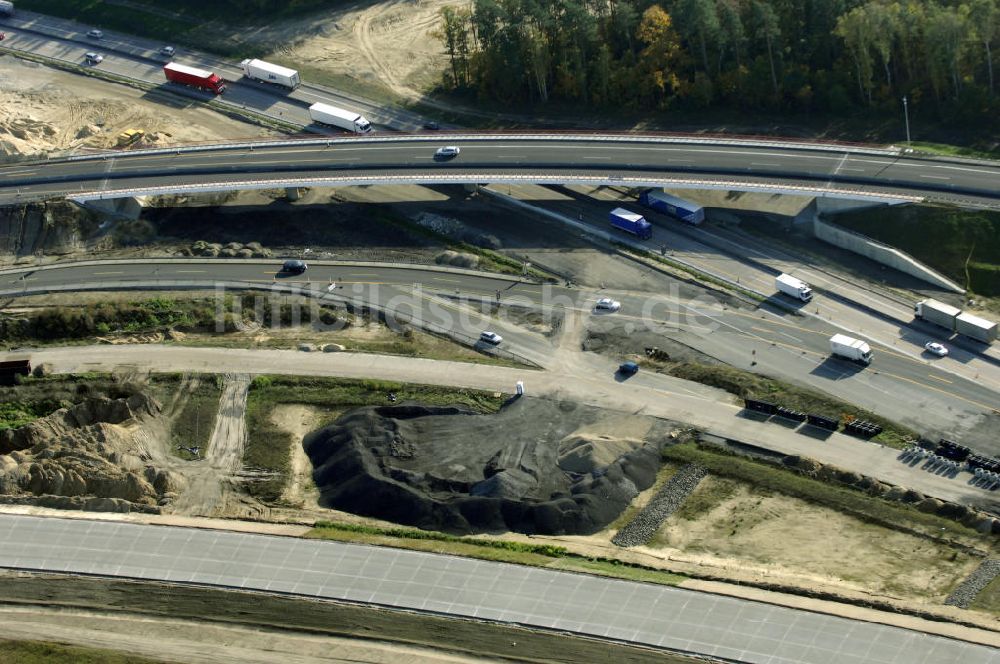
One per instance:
[(128, 207)]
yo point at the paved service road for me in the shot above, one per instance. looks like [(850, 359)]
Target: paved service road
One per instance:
[(647, 614), (628, 160), (898, 386)]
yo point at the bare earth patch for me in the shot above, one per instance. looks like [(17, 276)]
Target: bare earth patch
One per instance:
[(298, 420), (44, 110), (792, 541), (386, 43)]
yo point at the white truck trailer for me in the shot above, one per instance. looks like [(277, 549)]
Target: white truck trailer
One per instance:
[(936, 312), (850, 348), (797, 288), (338, 117), (265, 72), (976, 328)]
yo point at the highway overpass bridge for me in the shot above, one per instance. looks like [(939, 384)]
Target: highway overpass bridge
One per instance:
[(631, 160)]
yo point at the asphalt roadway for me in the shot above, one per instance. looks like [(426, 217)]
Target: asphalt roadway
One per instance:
[(647, 614), (629, 160), (632, 159), (139, 59), (899, 385)]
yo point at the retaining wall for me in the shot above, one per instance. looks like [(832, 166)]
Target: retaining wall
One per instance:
[(881, 253)]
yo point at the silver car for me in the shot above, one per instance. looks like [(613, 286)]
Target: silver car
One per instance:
[(491, 338), (447, 152), (936, 348)]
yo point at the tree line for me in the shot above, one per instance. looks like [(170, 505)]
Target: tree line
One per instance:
[(799, 55)]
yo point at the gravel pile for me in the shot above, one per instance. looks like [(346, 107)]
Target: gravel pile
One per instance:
[(536, 466), (966, 592), (671, 495)]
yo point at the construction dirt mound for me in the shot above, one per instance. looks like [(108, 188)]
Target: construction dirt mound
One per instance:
[(536, 466), (84, 457)]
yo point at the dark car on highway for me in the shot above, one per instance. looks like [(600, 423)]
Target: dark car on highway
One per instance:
[(294, 267), (628, 369)]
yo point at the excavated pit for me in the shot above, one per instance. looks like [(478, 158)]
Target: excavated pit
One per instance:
[(536, 466)]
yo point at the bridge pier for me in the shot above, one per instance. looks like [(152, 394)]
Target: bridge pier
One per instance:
[(294, 193), (127, 207)]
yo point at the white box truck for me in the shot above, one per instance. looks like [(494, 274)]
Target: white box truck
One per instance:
[(850, 348), (338, 117), (265, 72), (797, 288)]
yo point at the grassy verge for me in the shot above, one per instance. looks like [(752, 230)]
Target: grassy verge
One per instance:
[(268, 445), (522, 553), (711, 492), (698, 275), (37, 652), (964, 245), (463, 638), (38, 397), (988, 598), (15, 414), (852, 501), (193, 425), (415, 344), (747, 384), (946, 150)]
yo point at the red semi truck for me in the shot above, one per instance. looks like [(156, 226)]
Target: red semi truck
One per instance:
[(196, 78)]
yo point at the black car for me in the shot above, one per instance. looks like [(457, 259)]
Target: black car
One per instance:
[(433, 126), (294, 267)]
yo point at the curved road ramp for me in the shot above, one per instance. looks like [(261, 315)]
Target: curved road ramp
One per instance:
[(652, 615)]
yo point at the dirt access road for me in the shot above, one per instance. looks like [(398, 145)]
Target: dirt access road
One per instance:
[(588, 381), (212, 482), (389, 43), (203, 642)]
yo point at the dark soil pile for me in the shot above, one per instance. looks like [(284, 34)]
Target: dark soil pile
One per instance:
[(530, 468)]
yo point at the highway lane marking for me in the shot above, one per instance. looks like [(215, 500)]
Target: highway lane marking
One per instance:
[(191, 271), (754, 163), (25, 172), (965, 169), (934, 177), (840, 165), (103, 273), (511, 156), (938, 389), (943, 380), (597, 157), (889, 374)]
